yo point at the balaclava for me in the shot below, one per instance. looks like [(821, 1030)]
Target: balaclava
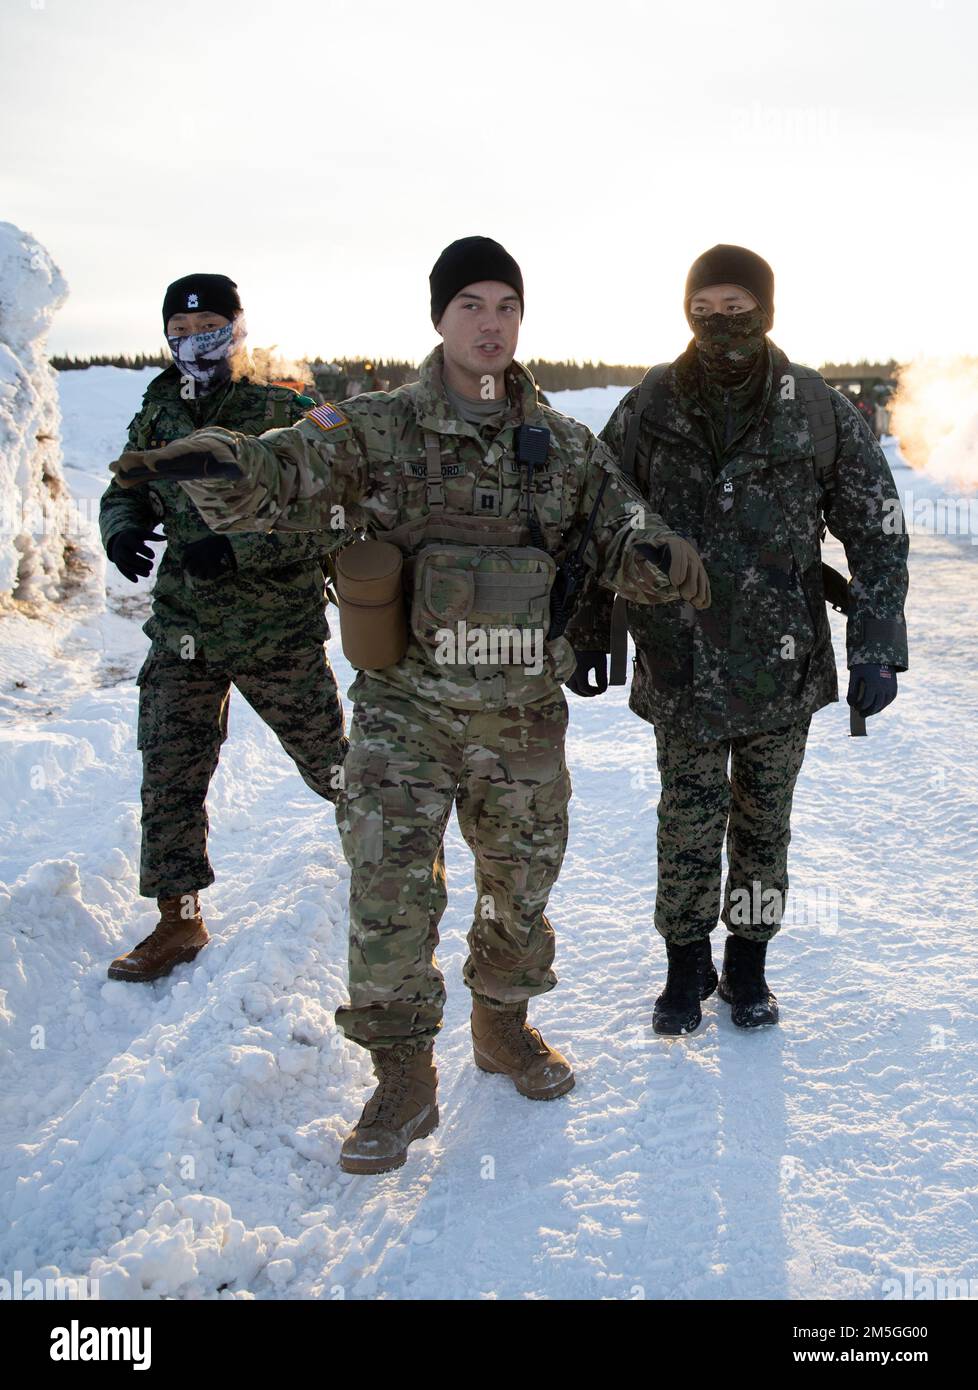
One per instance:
[(731, 345), (206, 357)]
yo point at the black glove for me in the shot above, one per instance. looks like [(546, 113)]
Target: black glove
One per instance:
[(129, 552), (209, 558), (660, 555), (588, 662), (871, 688)]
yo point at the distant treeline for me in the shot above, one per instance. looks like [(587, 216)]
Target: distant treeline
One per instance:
[(551, 376), (112, 359), (571, 376)]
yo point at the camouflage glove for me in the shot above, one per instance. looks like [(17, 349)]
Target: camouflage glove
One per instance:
[(202, 454), (586, 663), (129, 552), (680, 560), (871, 688), (209, 558)]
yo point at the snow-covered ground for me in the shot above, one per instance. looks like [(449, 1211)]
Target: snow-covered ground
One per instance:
[(181, 1139)]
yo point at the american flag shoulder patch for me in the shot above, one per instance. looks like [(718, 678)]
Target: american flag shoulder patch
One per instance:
[(326, 416)]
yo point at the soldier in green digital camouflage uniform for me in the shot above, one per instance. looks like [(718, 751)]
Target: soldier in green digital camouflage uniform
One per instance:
[(725, 454), (242, 610), (435, 467)]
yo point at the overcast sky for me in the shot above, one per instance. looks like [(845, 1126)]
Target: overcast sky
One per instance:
[(322, 152)]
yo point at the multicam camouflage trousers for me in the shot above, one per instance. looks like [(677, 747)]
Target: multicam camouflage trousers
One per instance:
[(752, 807), (183, 720), (409, 761)]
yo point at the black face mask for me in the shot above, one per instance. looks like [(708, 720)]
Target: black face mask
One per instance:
[(730, 345)]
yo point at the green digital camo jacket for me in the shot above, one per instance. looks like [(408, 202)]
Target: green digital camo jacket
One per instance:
[(276, 597), (373, 464), (761, 655)]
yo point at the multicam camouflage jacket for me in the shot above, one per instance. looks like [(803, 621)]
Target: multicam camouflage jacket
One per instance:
[(761, 655), (370, 458), (276, 596)]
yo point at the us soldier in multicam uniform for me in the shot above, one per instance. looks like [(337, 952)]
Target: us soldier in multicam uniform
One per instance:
[(436, 461), (242, 610), (725, 455)]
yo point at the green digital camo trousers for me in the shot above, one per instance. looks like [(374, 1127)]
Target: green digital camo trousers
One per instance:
[(183, 720), (409, 761), (700, 804)]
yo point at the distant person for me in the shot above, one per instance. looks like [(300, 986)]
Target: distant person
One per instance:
[(242, 610), (867, 409), (746, 455)]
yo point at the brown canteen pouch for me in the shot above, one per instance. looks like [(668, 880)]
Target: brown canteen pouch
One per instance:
[(497, 592), (369, 588)]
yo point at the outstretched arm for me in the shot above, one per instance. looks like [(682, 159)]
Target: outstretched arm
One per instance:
[(589, 630), (298, 479), (126, 508), (631, 550)]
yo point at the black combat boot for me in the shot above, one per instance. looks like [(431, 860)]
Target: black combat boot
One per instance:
[(692, 977), (743, 985)]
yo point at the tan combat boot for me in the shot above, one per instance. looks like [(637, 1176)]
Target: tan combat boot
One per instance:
[(403, 1108), (503, 1041), (175, 939)]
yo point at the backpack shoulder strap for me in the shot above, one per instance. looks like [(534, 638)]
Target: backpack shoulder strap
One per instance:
[(814, 393), (650, 381)]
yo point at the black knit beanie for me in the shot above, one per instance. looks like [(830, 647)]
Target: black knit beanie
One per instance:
[(195, 294), (733, 265), (466, 262)]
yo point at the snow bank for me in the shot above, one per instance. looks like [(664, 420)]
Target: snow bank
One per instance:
[(593, 406), (36, 505), (184, 1133)]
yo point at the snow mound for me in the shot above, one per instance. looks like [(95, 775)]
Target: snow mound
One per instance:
[(160, 1113), (35, 501)]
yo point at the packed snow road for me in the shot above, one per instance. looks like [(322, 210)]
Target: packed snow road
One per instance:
[(181, 1139)]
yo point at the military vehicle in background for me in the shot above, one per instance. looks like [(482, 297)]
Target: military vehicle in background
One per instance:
[(342, 378), (338, 381), (294, 383), (869, 387)]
